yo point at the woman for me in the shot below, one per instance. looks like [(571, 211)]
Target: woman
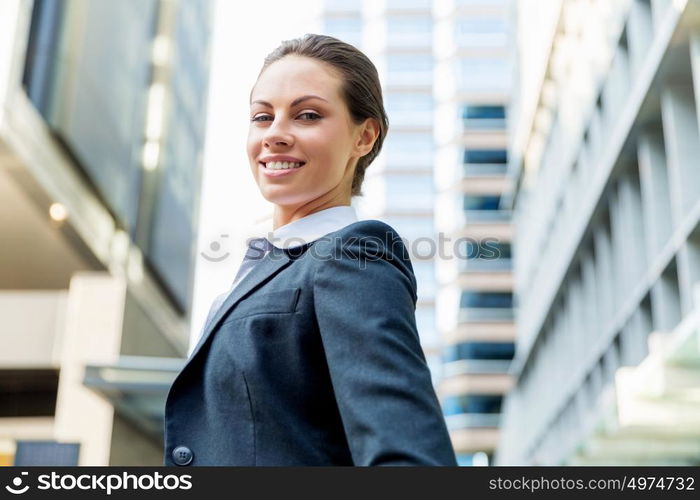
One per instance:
[(313, 358)]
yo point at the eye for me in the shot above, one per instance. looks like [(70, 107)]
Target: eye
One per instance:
[(309, 115), (261, 118)]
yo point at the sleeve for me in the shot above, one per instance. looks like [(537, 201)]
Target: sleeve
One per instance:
[(365, 298)]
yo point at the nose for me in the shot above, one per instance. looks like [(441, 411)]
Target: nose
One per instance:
[(277, 135)]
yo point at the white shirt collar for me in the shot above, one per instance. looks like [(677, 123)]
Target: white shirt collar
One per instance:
[(312, 227)]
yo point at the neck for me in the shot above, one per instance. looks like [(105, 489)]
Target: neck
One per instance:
[(284, 214)]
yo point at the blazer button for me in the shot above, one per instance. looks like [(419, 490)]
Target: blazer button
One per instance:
[(182, 455)]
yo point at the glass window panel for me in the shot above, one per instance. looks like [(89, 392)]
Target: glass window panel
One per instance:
[(481, 202), (173, 230), (411, 228), (486, 300), (405, 149), (484, 73), (483, 112), (425, 278), (409, 24), (485, 156), (414, 109), (410, 70), (479, 350), (93, 86), (347, 29), (409, 192), (472, 403)]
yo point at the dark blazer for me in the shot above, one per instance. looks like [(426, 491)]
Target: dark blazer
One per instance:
[(314, 359)]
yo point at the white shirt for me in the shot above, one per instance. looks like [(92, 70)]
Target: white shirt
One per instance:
[(292, 235)]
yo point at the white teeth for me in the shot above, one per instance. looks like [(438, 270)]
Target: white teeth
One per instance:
[(282, 165)]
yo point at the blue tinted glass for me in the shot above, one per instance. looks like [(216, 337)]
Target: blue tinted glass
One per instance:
[(477, 112), (479, 350), (481, 202), (486, 299), (485, 156), (472, 403), (486, 249)]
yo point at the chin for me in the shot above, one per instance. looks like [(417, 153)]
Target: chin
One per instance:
[(284, 197)]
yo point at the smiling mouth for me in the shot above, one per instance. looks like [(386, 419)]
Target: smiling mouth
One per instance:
[(282, 165)]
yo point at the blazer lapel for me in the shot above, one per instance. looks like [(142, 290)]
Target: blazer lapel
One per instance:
[(272, 263)]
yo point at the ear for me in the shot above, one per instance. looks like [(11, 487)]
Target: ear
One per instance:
[(367, 136)]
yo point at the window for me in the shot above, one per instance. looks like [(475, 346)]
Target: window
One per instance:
[(347, 29), (481, 202), (409, 31), (484, 117), (411, 228), (482, 74), (486, 300), (425, 322), (408, 150), (425, 278), (410, 70), (409, 63), (488, 248), (479, 350), (481, 31), (488, 254), (485, 156), (407, 101), (409, 24), (409, 4), (472, 403), (404, 108), (343, 5), (409, 192)]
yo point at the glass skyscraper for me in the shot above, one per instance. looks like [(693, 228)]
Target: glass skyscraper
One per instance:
[(102, 130)]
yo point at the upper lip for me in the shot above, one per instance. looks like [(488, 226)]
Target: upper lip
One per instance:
[(268, 159)]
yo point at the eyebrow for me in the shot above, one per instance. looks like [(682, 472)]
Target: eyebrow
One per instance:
[(296, 101)]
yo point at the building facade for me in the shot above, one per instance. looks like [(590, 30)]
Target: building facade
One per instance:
[(445, 71), (606, 198), (102, 108), (475, 303)]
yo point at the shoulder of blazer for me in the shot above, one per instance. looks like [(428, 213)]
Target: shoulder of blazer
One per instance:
[(370, 241)]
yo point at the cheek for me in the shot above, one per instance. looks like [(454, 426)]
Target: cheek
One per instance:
[(253, 146)]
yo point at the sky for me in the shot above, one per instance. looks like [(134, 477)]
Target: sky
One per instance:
[(231, 204)]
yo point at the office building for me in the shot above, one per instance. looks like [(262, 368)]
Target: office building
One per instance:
[(445, 70), (102, 108), (475, 303), (605, 190)]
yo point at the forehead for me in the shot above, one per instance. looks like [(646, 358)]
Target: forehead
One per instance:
[(293, 76)]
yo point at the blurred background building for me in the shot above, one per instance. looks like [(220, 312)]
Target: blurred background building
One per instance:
[(605, 188), (446, 73), (475, 313), (102, 108)]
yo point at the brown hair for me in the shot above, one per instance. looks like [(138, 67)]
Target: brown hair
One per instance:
[(361, 89)]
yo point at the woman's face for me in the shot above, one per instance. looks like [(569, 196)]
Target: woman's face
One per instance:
[(299, 121)]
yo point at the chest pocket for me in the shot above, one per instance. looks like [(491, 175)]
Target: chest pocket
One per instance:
[(275, 302)]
